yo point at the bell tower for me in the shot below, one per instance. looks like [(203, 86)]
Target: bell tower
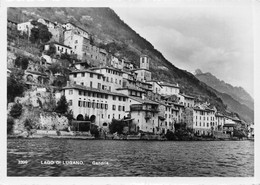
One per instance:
[(144, 62)]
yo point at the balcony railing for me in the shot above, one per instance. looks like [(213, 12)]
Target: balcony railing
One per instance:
[(142, 108)]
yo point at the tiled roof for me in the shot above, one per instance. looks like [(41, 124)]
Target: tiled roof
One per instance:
[(145, 101), (169, 85), (106, 67), (80, 87), (131, 88), (86, 70), (187, 96)]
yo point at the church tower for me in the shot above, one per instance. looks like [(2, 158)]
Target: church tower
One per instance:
[(144, 62)]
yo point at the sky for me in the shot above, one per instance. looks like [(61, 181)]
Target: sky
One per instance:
[(216, 38)]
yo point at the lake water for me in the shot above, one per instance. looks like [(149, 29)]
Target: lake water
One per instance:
[(129, 158)]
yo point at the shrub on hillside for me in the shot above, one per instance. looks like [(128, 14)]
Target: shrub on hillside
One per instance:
[(10, 124), (29, 124), (16, 110), (15, 85)]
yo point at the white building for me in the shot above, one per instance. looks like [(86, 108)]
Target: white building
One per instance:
[(143, 73), (60, 48), (88, 78), (80, 31), (204, 120), (187, 101), (113, 77), (25, 27), (99, 105), (77, 42), (169, 89), (156, 87), (145, 114)]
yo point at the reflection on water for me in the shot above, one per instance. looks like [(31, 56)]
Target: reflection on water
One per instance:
[(129, 158)]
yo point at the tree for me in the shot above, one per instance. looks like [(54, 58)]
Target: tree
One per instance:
[(116, 126), (16, 110), (10, 124), (22, 62), (52, 50), (15, 85), (62, 105), (39, 33)]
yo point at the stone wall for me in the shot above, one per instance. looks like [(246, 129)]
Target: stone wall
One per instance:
[(53, 121)]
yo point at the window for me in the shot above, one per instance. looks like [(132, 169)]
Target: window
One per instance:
[(106, 106), (108, 116), (75, 75), (98, 105), (99, 76), (118, 116), (101, 105), (111, 80), (119, 82), (114, 97), (84, 104), (106, 96), (79, 103), (99, 86), (89, 104), (82, 74), (113, 107), (123, 108), (119, 98), (116, 81), (70, 102), (89, 94), (70, 91), (76, 41), (94, 95), (207, 124), (119, 107), (93, 105), (82, 83), (79, 92), (91, 84), (91, 75)]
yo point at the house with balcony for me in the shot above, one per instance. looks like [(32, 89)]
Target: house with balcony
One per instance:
[(145, 114), (169, 89)]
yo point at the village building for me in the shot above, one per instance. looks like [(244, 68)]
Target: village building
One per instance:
[(115, 62), (100, 106), (60, 48), (54, 28), (25, 27), (77, 42), (229, 126), (203, 120), (143, 73), (129, 79), (156, 87), (70, 26), (169, 89), (113, 77), (145, 114), (220, 121), (187, 101), (88, 78)]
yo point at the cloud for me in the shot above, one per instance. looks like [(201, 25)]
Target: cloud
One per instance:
[(215, 39)]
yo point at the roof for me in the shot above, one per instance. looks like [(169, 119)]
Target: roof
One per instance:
[(76, 26), (169, 85), (177, 104), (80, 87), (144, 101), (187, 96), (8, 20), (58, 44), (154, 82), (131, 88), (106, 67), (86, 70), (47, 20), (141, 69)]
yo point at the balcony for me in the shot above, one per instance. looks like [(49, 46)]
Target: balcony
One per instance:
[(143, 108)]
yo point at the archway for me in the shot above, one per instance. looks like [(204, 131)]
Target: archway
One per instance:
[(29, 78), (104, 124), (92, 118), (80, 117)]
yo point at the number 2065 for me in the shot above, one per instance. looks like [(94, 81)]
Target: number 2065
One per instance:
[(22, 162)]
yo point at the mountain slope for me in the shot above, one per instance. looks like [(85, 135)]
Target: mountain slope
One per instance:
[(111, 33), (238, 93)]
